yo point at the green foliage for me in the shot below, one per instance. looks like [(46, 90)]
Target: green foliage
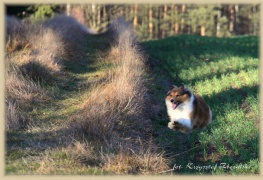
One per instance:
[(225, 72), (204, 15), (41, 12)]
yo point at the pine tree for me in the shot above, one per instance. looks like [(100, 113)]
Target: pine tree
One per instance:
[(183, 18), (255, 19), (135, 19), (176, 26), (231, 17), (202, 16), (164, 25), (151, 22)]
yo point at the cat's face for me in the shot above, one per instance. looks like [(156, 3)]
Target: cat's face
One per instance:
[(177, 95)]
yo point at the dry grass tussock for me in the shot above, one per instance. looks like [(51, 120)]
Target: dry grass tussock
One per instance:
[(35, 53), (30, 44), (19, 87), (114, 115), (21, 92), (15, 117), (72, 33), (144, 162), (27, 47)]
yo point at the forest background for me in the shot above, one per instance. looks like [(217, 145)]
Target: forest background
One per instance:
[(154, 21)]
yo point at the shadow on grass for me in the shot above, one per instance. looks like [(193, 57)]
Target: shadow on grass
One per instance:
[(187, 45), (231, 96), (95, 46), (218, 75)]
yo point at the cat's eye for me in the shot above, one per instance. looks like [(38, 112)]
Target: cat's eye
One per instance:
[(177, 95)]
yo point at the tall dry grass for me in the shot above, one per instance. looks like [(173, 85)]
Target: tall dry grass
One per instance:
[(73, 34), (49, 43), (15, 118), (115, 115), (35, 53), (20, 93), (27, 42), (30, 56)]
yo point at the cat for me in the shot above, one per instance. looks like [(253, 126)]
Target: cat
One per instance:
[(186, 110)]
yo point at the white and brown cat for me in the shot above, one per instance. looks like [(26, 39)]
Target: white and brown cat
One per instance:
[(186, 110)]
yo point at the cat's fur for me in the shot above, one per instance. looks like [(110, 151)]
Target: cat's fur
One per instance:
[(186, 110)]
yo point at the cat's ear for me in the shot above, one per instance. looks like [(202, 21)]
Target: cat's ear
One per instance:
[(184, 88), (173, 86)]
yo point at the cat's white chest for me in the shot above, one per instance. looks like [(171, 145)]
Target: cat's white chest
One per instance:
[(182, 113)]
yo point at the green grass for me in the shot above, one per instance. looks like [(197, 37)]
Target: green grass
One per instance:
[(225, 71)]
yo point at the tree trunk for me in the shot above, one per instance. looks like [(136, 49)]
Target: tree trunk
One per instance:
[(194, 29), (164, 17), (231, 18), (150, 21), (156, 23), (218, 25), (254, 22), (98, 15), (172, 19), (182, 20), (135, 20), (203, 29), (93, 10), (68, 9), (160, 16), (176, 26), (104, 15), (236, 17)]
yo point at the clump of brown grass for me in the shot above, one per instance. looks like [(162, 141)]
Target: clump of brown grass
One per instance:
[(37, 72), (19, 87), (16, 38), (34, 54), (31, 42), (72, 33), (120, 103), (20, 93), (46, 43), (116, 115), (130, 162), (15, 118), (48, 49)]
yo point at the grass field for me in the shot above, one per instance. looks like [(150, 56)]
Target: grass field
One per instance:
[(225, 71), (82, 104)]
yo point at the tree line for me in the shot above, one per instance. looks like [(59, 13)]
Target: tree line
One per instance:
[(153, 21)]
